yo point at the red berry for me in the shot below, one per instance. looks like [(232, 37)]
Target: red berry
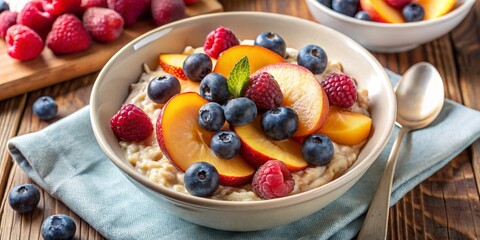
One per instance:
[(130, 123), (7, 19), (218, 41), (23, 43), (166, 11), (103, 24), (189, 2), (68, 35), (273, 180), (130, 10), (58, 7), (340, 89), (34, 17), (264, 91), (86, 4), (398, 4)]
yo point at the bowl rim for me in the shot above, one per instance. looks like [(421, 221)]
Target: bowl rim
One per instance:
[(208, 203), (464, 7)]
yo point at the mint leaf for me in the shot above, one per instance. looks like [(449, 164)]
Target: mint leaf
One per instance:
[(238, 78)]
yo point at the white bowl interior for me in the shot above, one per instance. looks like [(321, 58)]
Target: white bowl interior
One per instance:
[(112, 86)]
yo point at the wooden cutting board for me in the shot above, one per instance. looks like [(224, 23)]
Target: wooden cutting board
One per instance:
[(19, 77)]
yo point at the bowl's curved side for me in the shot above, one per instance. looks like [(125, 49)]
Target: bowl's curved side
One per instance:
[(112, 87), (385, 37)]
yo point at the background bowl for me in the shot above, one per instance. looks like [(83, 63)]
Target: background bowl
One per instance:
[(112, 87), (387, 37)]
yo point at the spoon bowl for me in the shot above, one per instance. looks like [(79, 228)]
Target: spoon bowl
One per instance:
[(419, 94), (420, 97)]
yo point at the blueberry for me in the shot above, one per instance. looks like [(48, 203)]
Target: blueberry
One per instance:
[(347, 7), (24, 198), (197, 66), (225, 144), (272, 41), (327, 3), (362, 15), (3, 6), (279, 123), (201, 179), (211, 116), (313, 58), (45, 108), (413, 12), (160, 89), (58, 227), (214, 88), (240, 111), (317, 149)]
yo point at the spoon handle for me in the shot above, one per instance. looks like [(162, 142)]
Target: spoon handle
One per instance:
[(375, 224)]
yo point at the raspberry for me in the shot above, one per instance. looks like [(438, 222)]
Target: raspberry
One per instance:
[(340, 89), (273, 180), (218, 41), (103, 24), (130, 123), (165, 11), (264, 91), (398, 4), (58, 7), (23, 43), (7, 19), (34, 17), (86, 4), (68, 35), (130, 10), (189, 2)]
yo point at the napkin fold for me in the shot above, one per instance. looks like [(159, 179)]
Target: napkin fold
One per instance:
[(65, 160)]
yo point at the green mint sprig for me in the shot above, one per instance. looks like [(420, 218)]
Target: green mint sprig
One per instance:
[(238, 78)]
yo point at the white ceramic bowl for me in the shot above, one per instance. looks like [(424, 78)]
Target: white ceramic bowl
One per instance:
[(386, 37), (112, 86)]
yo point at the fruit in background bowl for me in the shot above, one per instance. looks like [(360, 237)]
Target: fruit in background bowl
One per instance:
[(175, 136), (436, 8), (380, 11), (303, 93)]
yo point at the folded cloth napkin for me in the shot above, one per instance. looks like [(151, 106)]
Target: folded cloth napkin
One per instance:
[(65, 160)]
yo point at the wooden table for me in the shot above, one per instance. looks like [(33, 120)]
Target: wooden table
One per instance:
[(445, 206)]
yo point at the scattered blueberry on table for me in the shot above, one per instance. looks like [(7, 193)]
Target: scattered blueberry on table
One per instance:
[(45, 108), (24, 198), (58, 227)]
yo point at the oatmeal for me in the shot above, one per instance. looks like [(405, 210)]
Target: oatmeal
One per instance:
[(146, 156)]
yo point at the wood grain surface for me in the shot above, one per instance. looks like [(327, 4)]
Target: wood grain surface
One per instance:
[(18, 77), (444, 206)]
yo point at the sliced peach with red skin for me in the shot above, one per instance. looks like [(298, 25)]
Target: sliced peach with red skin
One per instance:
[(346, 127), (184, 142), (303, 93), (436, 8), (380, 11), (258, 57), (173, 64), (257, 148)]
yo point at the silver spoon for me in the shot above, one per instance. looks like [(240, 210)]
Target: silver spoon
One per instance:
[(420, 98)]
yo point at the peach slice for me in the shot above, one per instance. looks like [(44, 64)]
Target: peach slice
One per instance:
[(258, 148), (380, 11), (302, 92), (173, 64), (436, 8), (190, 86), (346, 127), (257, 58), (184, 142)]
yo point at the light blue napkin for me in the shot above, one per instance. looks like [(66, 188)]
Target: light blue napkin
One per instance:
[(65, 160)]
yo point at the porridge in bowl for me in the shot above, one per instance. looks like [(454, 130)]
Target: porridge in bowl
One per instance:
[(324, 140)]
